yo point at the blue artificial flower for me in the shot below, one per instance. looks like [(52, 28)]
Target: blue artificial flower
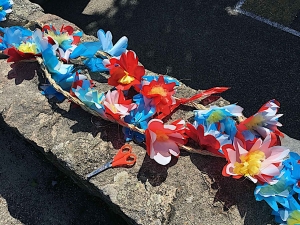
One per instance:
[(286, 216), (278, 192), (5, 7), (14, 36), (221, 116), (89, 49), (63, 74), (293, 163), (133, 135), (138, 117), (90, 97)]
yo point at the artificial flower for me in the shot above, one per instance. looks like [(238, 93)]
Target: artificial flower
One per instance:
[(125, 72), (209, 138), (277, 193), (26, 51), (138, 117), (263, 122), (89, 96), (293, 163), (63, 74), (162, 140), (260, 163), (116, 106), (5, 7), (288, 215), (221, 116), (65, 38), (141, 115), (89, 50), (13, 36), (161, 94)]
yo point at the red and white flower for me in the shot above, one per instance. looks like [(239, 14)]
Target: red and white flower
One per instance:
[(116, 106), (260, 163), (162, 140)]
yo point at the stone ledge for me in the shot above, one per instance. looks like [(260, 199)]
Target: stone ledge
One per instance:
[(190, 190)]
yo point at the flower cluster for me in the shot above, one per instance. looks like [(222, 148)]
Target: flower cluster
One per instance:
[(140, 102)]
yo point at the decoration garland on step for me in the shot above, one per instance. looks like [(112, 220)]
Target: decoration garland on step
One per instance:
[(141, 104)]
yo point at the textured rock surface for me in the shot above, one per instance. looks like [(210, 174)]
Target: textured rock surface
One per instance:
[(191, 190)]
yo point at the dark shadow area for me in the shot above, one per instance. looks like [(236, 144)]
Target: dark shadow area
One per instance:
[(200, 44), (37, 193), (23, 71), (86, 122), (232, 192), (153, 172)]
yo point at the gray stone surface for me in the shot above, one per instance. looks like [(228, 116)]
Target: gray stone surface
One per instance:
[(191, 190), (33, 191)]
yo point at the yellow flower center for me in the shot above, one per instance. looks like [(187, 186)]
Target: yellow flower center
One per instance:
[(157, 89), (59, 38), (27, 47), (113, 108), (256, 121), (161, 136), (1, 8), (127, 79), (215, 116), (250, 163), (294, 218)]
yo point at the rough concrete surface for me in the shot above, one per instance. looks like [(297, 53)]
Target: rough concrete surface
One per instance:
[(190, 190), (33, 191)]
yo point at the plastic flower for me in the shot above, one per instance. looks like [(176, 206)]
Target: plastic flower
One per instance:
[(138, 117), (89, 50), (277, 193), (293, 163), (288, 215), (162, 140), (263, 122), (65, 38), (13, 36), (116, 106), (5, 7), (89, 96), (209, 138), (62, 73), (260, 163), (221, 116), (161, 94), (125, 72)]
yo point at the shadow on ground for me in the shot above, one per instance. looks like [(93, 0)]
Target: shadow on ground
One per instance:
[(200, 44), (37, 193)]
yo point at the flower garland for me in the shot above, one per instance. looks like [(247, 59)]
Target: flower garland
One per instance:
[(251, 146)]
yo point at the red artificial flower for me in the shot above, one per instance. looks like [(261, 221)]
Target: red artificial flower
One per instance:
[(125, 72), (162, 140), (15, 55), (208, 141), (161, 94), (116, 106)]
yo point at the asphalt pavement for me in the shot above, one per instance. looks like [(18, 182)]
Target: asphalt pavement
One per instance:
[(202, 45)]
